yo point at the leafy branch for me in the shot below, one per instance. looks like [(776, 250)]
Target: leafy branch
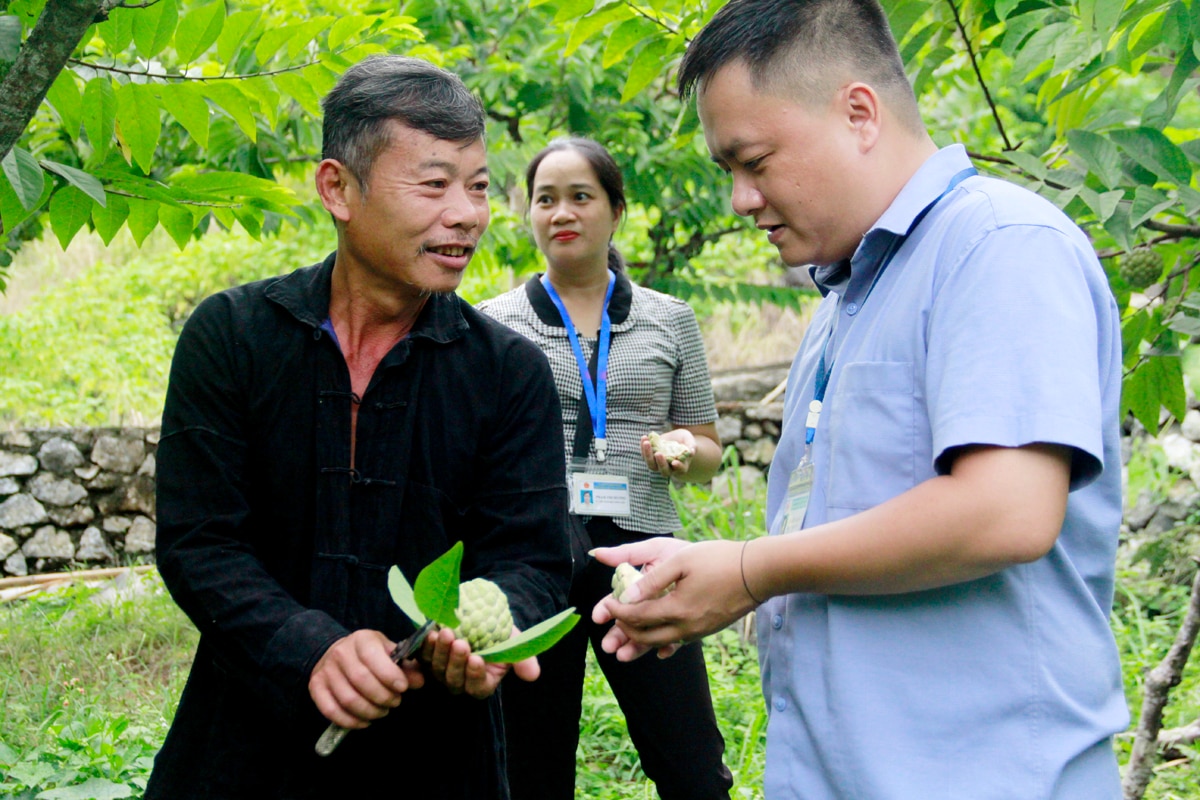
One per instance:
[(169, 77), (962, 30), (637, 9)]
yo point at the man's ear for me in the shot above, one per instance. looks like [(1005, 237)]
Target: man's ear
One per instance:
[(338, 189), (863, 112)]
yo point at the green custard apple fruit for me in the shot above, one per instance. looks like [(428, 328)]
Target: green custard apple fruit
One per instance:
[(626, 575), (674, 451), (484, 618), (1141, 268)]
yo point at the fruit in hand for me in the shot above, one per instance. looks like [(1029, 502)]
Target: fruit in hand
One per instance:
[(626, 575), (1141, 268), (484, 618), (672, 450)]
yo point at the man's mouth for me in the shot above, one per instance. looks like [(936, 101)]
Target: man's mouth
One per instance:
[(451, 250)]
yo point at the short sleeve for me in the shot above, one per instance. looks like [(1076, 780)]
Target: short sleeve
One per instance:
[(1013, 348), (691, 390)]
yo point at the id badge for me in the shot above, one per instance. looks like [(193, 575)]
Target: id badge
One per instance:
[(597, 495), (800, 484)]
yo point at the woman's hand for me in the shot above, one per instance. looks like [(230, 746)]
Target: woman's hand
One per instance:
[(659, 463)]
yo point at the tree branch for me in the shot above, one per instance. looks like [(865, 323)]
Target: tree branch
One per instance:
[(979, 75), (1159, 682), (1174, 231), (512, 121), (641, 12), (55, 36), (168, 77), (1174, 737)]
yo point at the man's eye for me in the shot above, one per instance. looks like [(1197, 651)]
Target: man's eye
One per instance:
[(482, 186), (437, 184)]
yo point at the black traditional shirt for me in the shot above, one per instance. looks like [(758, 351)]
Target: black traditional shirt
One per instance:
[(275, 547)]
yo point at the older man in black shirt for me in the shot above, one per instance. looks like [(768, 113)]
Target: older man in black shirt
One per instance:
[(321, 427)]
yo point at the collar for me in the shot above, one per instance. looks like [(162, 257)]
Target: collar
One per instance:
[(543, 306), (305, 295), (925, 185)]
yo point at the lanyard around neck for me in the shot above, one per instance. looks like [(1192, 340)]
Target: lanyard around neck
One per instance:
[(596, 393), (825, 370)]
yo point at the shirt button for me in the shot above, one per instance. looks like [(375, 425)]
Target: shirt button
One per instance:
[(777, 621), (780, 704), (852, 308)]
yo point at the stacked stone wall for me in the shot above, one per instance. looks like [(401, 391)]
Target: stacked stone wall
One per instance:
[(74, 498)]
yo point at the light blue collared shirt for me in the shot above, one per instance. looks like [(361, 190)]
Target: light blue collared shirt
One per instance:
[(993, 324)]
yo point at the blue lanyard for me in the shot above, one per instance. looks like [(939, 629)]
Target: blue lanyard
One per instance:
[(824, 371), (596, 394)]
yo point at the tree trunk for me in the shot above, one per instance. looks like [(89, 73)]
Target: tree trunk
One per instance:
[(42, 56)]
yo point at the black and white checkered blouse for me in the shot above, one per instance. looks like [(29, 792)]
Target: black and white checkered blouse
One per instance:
[(657, 380)]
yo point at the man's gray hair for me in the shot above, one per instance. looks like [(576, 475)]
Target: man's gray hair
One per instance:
[(380, 89)]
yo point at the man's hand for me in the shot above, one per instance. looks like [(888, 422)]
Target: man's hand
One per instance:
[(708, 595), (356, 682), (455, 666)]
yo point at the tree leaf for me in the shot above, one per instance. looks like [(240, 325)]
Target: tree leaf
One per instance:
[(234, 102), (83, 181), (1155, 152), (537, 639), (91, 789), (625, 37), (1100, 155), (183, 102), (436, 590), (179, 223), (647, 66), (1102, 204), (306, 33), (109, 219), (153, 27), (64, 95), (590, 25), (117, 30), (138, 122), (12, 211), (143, 218), (25, 176), (99, 115), (402, 595), (272, 40), (1156, 383), (198, 30), (1133, 333), (1147, 202), (70, 209), (238, 26), (346, 28), (573, 9), (296, 87), (1028, 163)]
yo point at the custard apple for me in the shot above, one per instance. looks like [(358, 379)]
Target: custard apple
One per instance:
[(484, 619), (1141, 268), (626, 575), (674, 451)]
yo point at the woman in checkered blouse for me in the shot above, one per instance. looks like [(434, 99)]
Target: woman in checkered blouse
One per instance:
[(656, 379)]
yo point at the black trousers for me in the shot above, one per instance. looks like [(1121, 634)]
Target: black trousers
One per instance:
[(666, 703)]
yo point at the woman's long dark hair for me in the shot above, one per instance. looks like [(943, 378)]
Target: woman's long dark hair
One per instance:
[(607, 172)]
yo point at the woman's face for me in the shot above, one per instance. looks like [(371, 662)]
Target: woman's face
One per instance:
[(572, 218)]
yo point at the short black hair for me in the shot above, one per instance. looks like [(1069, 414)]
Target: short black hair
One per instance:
[(381, 89), (805, 48)]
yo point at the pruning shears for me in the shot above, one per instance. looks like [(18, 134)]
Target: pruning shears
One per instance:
[(334, 734)]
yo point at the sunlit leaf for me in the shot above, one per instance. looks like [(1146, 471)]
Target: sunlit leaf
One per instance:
[(153, 27), (109, 220), (235, 32), (198, 30), (647, 66), (143, 218), (178, 222), (64, 95), (86, 183), (1099, 154), (138, 122), (538, 639), (625, 37), (402, 595), (184, 102), (70, 209), (1155, 152), (24, 175), (436, 589), (99, 115)]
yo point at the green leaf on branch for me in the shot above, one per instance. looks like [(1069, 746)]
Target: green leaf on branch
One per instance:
[(295, 86), (627, 36), (153, 27), (1133, 332), (178, 222), (1147, 202), (234, 102), (537, 639), (99, 115), (143, 218), (1028, 163), (589, 26), (198, 30), (138, 122), (234, 34), (1155, 384), (70, 209), (64, 95), (117, 30), (1153, 151), (183, 102), (1100, 155), (573, 9), (109, 219), (25, 176), (81, 180), (647, 66), (436, 589), (12, 210), (402, 595), (346, 28)]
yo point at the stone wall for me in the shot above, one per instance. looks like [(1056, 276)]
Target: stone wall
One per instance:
[(73, 498)]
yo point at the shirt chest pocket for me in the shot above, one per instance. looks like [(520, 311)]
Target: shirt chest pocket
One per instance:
[(872, 434)]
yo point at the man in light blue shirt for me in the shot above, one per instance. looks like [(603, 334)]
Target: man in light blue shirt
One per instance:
[(945, 501)]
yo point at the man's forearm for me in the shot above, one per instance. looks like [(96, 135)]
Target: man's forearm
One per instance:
[(998, 507)]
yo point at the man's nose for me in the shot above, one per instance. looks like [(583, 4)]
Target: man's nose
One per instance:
[(461, 210), (746, 199)]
